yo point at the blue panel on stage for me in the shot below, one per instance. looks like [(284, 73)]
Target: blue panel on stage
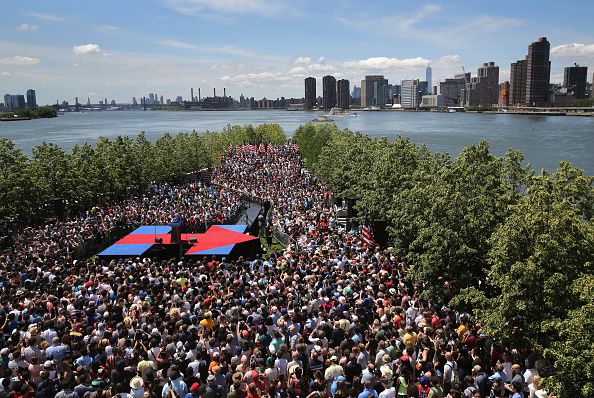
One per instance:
[(125, 250), (152, 229), (215, 251), (235, 228)]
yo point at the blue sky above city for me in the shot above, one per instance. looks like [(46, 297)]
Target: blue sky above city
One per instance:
[(120, 49)]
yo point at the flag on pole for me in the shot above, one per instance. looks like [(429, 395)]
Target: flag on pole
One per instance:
[(230, 148), (367, 235), (262, 148)]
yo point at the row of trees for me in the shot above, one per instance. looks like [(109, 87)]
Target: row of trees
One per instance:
[(34, 113), (92, 175), (484, 233)]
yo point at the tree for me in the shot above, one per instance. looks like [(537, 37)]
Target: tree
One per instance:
[(539, 286), (52, 176), (448, 216), (17, 194)]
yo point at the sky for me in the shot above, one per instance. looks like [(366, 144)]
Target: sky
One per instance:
[(265, 48)]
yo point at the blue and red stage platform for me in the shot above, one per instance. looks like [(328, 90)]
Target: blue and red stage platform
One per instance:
[(154, 240)]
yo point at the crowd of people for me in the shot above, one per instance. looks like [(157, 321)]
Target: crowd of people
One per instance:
[(199, 205), (328, 316)]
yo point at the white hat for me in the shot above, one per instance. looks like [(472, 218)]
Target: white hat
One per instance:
[(136, 383), (334, 358)]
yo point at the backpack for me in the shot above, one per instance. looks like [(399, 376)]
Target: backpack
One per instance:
[(455, 378)]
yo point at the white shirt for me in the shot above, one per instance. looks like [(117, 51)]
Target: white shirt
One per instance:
[(529, 375), (389, 393)]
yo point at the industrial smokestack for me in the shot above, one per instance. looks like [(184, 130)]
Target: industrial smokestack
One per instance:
[(224, 92), (191, 95), (199, 97), (214, 91)]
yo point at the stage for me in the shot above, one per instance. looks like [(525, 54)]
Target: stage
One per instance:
[(166, 241)]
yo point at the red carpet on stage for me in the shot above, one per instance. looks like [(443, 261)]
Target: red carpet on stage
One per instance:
[(217, 240), (216, 236)]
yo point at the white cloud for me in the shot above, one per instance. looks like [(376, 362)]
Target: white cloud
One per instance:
[(249, 79), (322, 59), (27, 26), (297, 70), (448, 59), (573, 50), (264, 8), (19, 60), (5, 74), (382, 63), (176, 44), (46, 17), (321, 68), (86, 49), (303, 61)]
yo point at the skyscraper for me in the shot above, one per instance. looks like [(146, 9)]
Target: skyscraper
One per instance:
[(538, 72), (8, 102), (329, 92), (374, 91), (484, 88), (31, 99), (310, 93), (411, 93), (517, 83), (574, 78), (19, 101), (428, 77), (356, 94), (451, 89), (343, 94)]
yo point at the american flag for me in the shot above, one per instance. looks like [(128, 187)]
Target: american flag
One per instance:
[(230, 148), (262, 148), (367, 236)]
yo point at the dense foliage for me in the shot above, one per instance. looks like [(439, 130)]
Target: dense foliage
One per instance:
[(91, 175), (34, 113), (484, 233)]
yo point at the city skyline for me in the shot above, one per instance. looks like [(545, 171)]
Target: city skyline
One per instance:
[(266, 49)]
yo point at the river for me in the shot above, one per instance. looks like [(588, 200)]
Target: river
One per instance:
[(544, 140)]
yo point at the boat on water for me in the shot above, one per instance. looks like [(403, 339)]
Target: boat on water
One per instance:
[(322, 119), (341, 112)]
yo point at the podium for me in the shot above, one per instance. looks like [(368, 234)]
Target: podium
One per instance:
[(176, 230)]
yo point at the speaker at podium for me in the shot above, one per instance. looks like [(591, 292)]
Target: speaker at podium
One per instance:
[(176, 228)]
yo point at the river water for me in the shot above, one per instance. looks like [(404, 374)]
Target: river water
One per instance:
[(544, 140)]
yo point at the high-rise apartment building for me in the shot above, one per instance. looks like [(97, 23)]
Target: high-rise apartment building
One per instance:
[(411, 93), (483, 90), (374, 91), (310, 93), (428, 79), (574, 79), (517, 83), (19, 101), (13, 102), (31, 99), (8, 102), (329, 92), (538, 73), (451, 89), (343, 94)]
